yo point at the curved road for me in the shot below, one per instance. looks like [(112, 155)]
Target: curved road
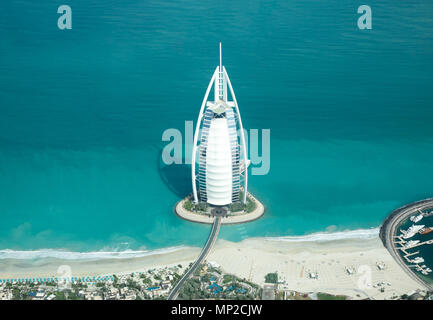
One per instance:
[(209, 244), (388, 230)]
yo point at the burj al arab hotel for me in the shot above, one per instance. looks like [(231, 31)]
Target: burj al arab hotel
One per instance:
[(219, 151)]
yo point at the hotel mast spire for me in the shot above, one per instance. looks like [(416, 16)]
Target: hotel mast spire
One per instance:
[(221, 85), (221, 58), (222, 160)]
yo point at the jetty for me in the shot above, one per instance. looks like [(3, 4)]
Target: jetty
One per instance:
[(205, 251)]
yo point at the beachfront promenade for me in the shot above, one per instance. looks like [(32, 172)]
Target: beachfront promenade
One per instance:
[(389, 229), (209, 244), (258, 211)]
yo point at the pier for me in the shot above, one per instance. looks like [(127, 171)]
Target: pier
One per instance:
[(389, 237), (206, 249)]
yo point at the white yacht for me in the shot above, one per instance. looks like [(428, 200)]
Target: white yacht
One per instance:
[(409, 233), (416, 219), (410, 244), (417, 260)]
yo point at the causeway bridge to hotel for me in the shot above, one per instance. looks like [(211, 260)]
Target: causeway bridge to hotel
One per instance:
[(205, 251)]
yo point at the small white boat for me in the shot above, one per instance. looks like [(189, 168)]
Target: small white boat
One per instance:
[(417, 218), (410, 244), (409, 233), (417, 260)]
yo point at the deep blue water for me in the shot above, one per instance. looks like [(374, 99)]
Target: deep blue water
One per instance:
[(82, 113)]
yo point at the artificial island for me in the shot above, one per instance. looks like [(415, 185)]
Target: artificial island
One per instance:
[(219, 168)]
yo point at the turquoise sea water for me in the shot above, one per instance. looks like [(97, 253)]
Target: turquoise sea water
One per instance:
[(82, 113)]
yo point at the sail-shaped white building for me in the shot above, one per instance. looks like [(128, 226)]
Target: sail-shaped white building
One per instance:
[(218, 172)]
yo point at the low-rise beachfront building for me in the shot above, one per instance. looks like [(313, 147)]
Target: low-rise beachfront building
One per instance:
[(221, 168), (268, 292)]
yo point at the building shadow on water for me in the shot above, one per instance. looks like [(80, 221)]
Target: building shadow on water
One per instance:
[(177, 177)]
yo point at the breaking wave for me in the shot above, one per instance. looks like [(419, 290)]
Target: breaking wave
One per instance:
[(71, 255), (331, 236)]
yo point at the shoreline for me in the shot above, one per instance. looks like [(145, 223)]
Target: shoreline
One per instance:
[(65, 254), (253, 258)]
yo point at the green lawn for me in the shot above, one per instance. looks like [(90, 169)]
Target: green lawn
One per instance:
[(327, 296)]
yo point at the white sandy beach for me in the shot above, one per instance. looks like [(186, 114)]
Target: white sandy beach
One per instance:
[(253, 259)]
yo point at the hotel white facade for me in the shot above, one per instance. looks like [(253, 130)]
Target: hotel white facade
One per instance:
[(219, 152)]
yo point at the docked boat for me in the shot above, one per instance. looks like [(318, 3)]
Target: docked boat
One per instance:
[(418, 260), (410, 244), (416, 219), (409, 233), (424, 231)]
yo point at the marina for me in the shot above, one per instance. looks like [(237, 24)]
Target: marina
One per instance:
[(406, 239)]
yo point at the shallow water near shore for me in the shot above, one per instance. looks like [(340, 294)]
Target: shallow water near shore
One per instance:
[(82, 113)]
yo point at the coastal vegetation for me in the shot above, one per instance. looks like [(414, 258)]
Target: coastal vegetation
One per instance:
[(248, 207), (200, 207), (235, 207), (212, 283), (271, 277), (327, 296)]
